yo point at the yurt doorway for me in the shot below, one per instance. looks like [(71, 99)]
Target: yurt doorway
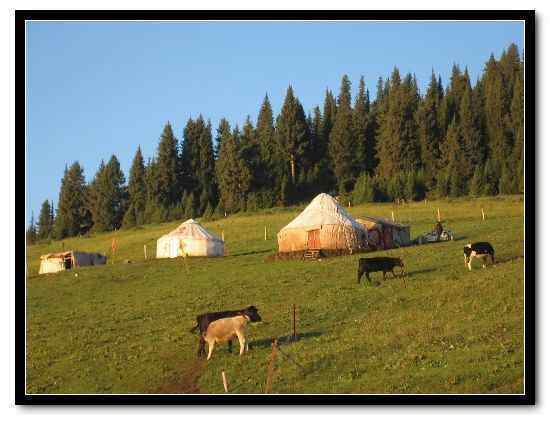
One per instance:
[(314, 239)]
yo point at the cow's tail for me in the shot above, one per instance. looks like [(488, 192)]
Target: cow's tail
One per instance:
[(194, 328)]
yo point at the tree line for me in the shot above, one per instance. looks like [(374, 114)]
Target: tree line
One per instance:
[(464, 139)]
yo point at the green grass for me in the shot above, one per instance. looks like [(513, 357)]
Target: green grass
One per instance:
[(124, 328)]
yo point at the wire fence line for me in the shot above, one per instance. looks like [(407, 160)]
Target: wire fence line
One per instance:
[(260, 383)]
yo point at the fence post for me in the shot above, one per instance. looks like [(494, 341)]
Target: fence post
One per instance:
[(145, 251), (223, 237), (294, 322), (271, 366), (224, 379), (438, 215), (483, 214), (265, 233), (392, 217)]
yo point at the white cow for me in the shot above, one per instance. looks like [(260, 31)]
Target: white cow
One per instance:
[(223, 330)]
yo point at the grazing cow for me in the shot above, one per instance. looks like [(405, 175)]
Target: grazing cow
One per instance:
[(478, 249), (226, 329), (203, 320), (379, 264)]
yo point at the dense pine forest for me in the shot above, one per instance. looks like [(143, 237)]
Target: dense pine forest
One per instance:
[(463, 139)]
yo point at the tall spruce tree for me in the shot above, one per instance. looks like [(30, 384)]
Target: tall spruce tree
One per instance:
[(342, 140), (234, 177), (398, 145), (292, 133), (265, 135), (137, 192), (516, 163), (206, 171), (495, 114), (107, 196), (470, 134), (429, 131), (167, 171), (73, 217), (329, 115), (45, 223), (363, 147)]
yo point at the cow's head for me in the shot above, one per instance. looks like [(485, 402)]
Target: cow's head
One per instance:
[(252, 313), (467, 252)]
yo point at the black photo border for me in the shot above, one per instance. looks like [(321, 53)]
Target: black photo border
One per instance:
[(528, 398)]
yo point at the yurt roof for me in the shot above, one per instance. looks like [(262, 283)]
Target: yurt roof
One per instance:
[(323, 210), (191, 229)]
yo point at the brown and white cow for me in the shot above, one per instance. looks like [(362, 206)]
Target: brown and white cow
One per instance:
[(224, 330)]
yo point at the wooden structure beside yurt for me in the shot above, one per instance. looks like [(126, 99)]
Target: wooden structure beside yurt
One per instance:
[(190, 239), (385, 234), (323, 225), (56, 262)]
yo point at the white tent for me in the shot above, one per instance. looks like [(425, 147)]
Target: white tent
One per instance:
[(324, 224), (189, 239), (53, 263)]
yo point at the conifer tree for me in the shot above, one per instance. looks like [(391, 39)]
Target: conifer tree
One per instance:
[(265, 135), (329, 115), (341, 143), (477, 184), (31, 234), (495, 114), (233, 175), (364, 147), (137, 192), (398, 145), (470, 134), (206, 170), (292, 133), (249, 151), (107, 196), (167, 171), (73, 217), (45, 223), (153, 211), (429, 131), (516, 117)]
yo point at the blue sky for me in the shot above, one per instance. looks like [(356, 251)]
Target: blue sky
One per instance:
[(100, 88)]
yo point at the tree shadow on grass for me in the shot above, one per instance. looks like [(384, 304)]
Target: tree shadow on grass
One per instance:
[(284, 340)]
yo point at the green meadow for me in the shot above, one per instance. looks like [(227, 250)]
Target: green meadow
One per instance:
[(124, 327)]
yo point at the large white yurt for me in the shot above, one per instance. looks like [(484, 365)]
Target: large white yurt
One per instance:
[(189, 239), (324, 224)]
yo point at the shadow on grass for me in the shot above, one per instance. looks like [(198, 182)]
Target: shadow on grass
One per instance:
[(284, 340), (421, 271), (259, 251)]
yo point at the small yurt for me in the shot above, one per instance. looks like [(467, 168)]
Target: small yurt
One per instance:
[(56, 262), (385, 234), (189, 239), (324, 224)]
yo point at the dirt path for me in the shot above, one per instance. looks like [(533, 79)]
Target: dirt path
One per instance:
[(187, 381)]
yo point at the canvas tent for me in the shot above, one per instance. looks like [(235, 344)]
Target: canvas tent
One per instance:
[(385, 234), (189, 239), (324, 224), (56, 262)]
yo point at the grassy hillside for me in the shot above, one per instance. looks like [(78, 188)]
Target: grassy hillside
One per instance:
[(124, 328)]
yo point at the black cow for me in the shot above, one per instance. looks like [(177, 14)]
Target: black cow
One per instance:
[(379, 264), (204, 320), (478, 249)]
